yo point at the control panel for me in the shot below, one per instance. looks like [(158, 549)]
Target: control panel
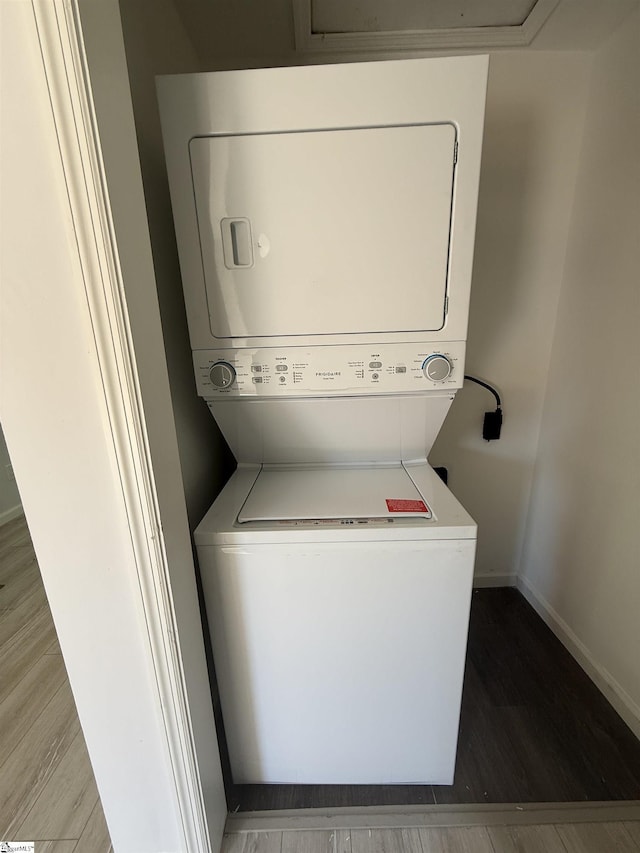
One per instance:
[(328, 370)]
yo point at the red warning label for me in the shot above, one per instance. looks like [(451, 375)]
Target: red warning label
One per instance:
[(402, 505)]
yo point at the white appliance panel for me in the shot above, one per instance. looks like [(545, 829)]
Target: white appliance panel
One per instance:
[(330, 430), (324, 371), (287, 493), (340, 663), (325, 232)]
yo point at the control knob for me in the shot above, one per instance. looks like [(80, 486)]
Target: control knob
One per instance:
[(437, 367), (222, 374)]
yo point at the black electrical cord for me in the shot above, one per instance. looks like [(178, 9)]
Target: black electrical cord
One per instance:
[(492, 424), (487, 386)]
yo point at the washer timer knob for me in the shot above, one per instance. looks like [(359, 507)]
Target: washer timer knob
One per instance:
[(437, 367), (222, 374)]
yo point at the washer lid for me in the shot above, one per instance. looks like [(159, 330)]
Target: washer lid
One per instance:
[(285, 494)]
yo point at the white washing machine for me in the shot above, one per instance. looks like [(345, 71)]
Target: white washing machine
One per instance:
[(325, 219)]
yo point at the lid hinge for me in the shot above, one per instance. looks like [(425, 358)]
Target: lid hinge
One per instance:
[(455, 152), (446, 305)]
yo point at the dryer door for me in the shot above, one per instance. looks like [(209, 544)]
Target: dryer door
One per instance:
[(325, 232)]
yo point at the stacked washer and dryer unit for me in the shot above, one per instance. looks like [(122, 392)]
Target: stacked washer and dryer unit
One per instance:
[(325, 219)]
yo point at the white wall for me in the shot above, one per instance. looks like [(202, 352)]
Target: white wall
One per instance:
[(533, 128), (10, 505), (581, 559), (55, 422), (174, 483)]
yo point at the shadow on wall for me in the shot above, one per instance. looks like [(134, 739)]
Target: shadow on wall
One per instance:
[(506, 181), (492, 480), (493, 488)]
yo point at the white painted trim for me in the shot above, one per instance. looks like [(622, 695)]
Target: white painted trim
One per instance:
[(491, 580), (387, 817), (480, 38), (61, 43), (601, 677), (9, 514)]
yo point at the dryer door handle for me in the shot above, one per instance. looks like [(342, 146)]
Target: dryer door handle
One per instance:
[(236, 243)]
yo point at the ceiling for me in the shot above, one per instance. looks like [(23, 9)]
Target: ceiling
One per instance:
[(354, 26), (253, 33), (335, 16)]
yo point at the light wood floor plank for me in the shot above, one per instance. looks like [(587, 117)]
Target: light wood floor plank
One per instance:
[(13, 560), (251, 842), (17, 622), (21, 652), (633, 828), (455, 839), (54, 648), (311, 841), (26, 771), (95, 835), (590, 837), (67, 799), (343, 841), (24, 704), (27, 579), (15, 533), (526, 839), (596, 838), (385, 841), (47, 789)]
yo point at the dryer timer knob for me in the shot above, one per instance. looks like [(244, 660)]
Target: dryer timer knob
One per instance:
[(437, 367), (222, 374)]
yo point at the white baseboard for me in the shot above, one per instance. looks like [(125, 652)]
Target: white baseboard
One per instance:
[(482, 581), (601, 677), (9, 514)]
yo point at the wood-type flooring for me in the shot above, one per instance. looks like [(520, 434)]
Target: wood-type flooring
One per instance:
[(617, 837), (534, 728), (47, 790)]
